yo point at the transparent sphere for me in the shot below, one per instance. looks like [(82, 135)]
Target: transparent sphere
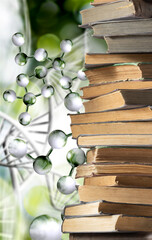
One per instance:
[(17, 148), (66, 45), (42, 165), (65, 82), (29, 98), (40, 55), (9, 96), (24, 118), (66, 185), (45, 228), (73, 101), (57, 139), (40, 72), (18, 39), (76, 157), (22, 80), (81, 75), (21, 59), (58, 64), (47, 91)]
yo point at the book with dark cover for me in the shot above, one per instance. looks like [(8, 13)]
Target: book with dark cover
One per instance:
[(110, 236)]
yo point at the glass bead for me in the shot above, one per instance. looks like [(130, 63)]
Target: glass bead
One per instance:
[(40, 55), (24, 118), (58, 64), (66, 185), (81, 75), (76, 157), (9, 96), (57, 139), (22, 80), (17, 148), (40, 72), (65, 82), (73, 101), (47, 91), (18, 39), (45, 228), (29, 98), (21, 59), (42, 165), (66, 45)]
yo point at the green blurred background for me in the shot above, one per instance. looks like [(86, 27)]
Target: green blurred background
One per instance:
[(44, 24), (52, 21)]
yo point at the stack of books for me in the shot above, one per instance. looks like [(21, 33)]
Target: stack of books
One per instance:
[(116, 126)]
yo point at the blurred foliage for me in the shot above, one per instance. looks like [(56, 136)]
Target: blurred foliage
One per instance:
[(74, 5), (60, 18), (44, 42), (51, 21), (36, 198)]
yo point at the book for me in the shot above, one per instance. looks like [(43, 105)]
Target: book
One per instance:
[(119, 72), (106, 169), (110, 236), (143, 8), (92, 91), (99, 2), (129, 44), (123, 27), (110, 11), (89, 193), (111, 128), (99, 59), (111, 223), (127, 140), (103, 207), (119, 181), (120, 154), (144, 113), (120, 99)]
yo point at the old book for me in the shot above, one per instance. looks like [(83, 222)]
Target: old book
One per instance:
[(106, 169), (144, 113), (98, 2), (119, 181), (139, 140), (129, 44), (123, 27), (143, 8), (99, 59), (89, 193), (123, 154), (92, 91), (104, 207), (110, 11), (119, 72), (111, 128), (120, 99), (110, 236), (107, 223)]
